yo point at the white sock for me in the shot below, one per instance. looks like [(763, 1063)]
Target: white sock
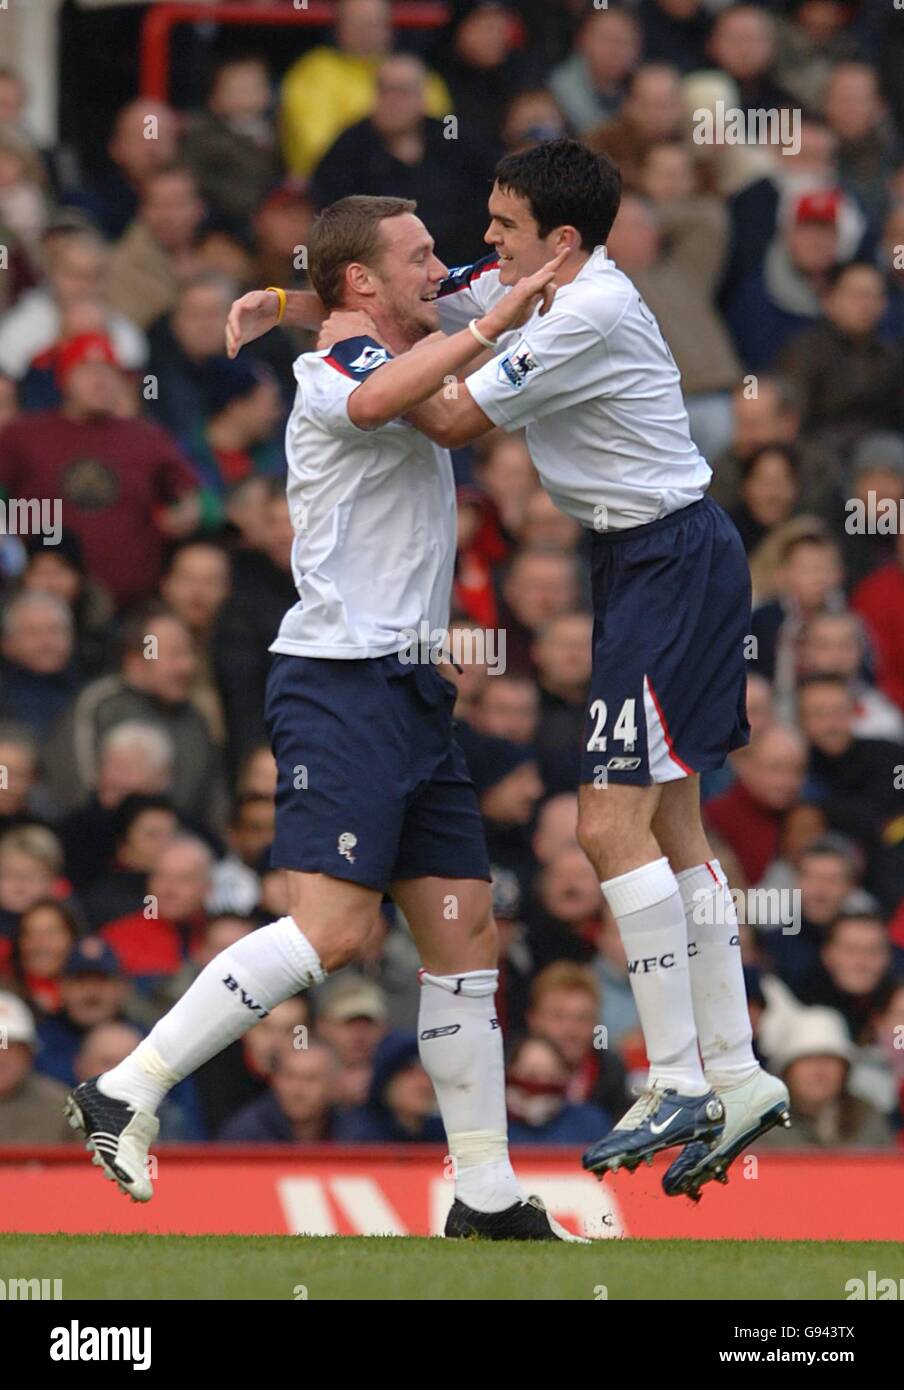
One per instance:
[(647, 906), (717, 975), (460, 1044), (234, 991)]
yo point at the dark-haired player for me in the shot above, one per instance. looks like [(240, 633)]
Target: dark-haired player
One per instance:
[(599, 393)]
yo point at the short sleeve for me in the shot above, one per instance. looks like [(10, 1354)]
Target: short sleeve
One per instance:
[(335, 375), (468, 292), (558, 361)]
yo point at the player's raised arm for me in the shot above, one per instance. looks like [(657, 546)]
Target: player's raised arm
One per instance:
[(260, 310), (416, 375)]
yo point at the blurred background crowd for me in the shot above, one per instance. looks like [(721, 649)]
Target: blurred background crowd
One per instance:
[(136, 787)]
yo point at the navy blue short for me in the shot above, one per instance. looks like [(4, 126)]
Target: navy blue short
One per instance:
[(372, 785), (671, 604)]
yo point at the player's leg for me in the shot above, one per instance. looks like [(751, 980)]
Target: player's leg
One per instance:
[(329, 921), (615, 832), (754, 1101), (339, 810), (648, 693), (460, 1044)]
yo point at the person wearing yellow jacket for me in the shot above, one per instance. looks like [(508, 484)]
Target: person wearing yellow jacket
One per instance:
[(330, 88)]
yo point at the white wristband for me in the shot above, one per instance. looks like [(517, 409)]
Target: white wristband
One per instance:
[(484, 342)]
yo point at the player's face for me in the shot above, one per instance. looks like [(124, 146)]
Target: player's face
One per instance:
[(514, 232), (409, 276)]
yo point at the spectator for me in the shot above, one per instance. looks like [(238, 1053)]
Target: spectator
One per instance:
[(539, 1111), (19, 786), (530, 118), (158, 250), (879, 599), (351, 1020), (399, 151), (238, 435), (743, 44), (144, 140), (854, 974), (31, 859), (133, 758), (509, 707), (142, 826), (749, 815), (538, 586), (31, 1106), (330, 88), (508, 786), (651, 112), (565, 1009), (826, 879), (786, 291), (834, 644), (297, 1109), (401, 1106), (156, 674), (76, 269), (814, 1060), (484, 67), (857, 779), (93, 990), (23, 200), (809, 581), (60, 570), (124, 484), (844, 372), (105, 1045), (153, 942), (562, 656), (566, 910), (868, 147), (231, 146), (38, 673), (768, 414), (591, 83), (262, 591), (48, 932), (769, 492), (673, 252), (196, 583)]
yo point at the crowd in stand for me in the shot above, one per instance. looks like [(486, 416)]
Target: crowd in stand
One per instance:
[(137, 606)]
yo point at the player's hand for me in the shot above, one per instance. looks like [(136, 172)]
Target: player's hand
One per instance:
[(531, 292), (250, 317), (343, 324)]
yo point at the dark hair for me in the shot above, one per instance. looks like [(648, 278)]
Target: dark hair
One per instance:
[(71, 919), (837, 272), (824, 678), (348, 230), (789, 452), (566, 185), (133, 806)]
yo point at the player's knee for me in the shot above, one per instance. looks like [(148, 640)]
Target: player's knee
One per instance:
[(340, 937)]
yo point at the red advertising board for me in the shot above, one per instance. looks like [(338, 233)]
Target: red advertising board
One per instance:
[(369, 1191)]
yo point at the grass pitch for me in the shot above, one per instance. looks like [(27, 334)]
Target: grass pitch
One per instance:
[(394, 1268)]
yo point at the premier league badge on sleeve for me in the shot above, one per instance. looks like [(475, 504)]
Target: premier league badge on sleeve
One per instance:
[(516, 366)]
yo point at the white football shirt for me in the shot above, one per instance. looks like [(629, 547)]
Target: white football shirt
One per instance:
[(598, 391), (374, 517)]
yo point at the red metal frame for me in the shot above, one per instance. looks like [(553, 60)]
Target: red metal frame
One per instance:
[(161, 19)]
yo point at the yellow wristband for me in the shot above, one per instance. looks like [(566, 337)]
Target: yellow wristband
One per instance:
[(281, 296)]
